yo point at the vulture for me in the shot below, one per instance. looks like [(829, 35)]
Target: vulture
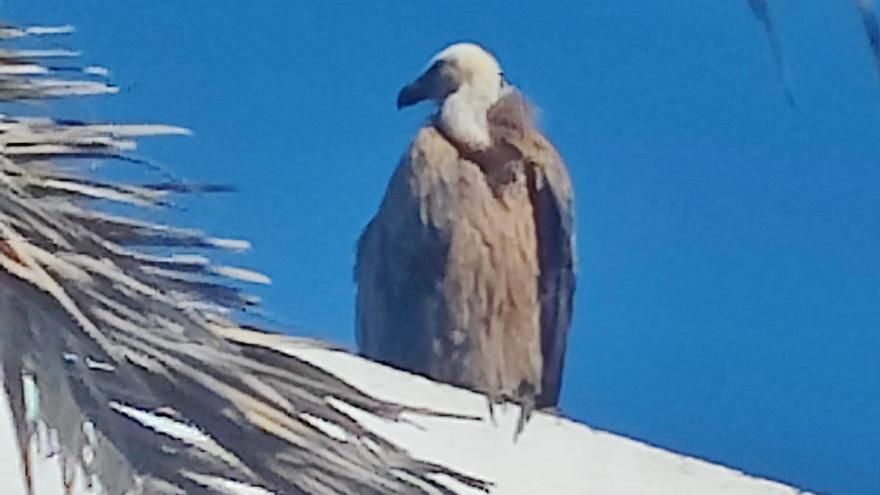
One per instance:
[(466, 273)]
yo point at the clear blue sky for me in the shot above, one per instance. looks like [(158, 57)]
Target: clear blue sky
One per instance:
[(729, 290)]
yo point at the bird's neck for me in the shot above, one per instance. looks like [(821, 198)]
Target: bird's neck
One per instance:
[(463, 117)]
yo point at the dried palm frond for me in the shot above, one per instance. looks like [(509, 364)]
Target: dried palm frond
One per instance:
[(129, 349)]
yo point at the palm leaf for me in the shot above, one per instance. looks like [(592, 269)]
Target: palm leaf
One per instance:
[(130, 350)]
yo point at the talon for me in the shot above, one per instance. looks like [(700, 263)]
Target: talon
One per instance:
[(526, 408), (491, 402)]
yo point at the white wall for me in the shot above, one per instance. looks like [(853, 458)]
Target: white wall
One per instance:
[(553, 456)]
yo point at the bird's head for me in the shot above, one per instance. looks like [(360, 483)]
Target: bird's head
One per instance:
[(462, 66), (465, 80)]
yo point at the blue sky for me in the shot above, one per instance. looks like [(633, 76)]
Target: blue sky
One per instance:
[(729, 287)]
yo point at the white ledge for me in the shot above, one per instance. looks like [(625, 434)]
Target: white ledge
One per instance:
[(552, 456)]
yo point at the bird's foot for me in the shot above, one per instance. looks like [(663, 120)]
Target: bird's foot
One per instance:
[(491, 403)]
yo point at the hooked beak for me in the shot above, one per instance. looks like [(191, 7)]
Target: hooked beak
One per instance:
[(413, 93)]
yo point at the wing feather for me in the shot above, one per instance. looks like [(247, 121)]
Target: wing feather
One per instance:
[(401, 260), (554, 221), (553, 206)]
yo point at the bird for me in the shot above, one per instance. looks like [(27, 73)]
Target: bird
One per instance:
[(466, 274), (122, 338)]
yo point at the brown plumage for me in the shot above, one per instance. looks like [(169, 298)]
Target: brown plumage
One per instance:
[(466, 272)]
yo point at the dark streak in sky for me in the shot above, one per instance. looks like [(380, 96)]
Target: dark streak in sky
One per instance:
[(762, 12), (872, 28)]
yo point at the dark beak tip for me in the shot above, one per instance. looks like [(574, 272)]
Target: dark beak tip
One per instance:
[(409, 96), (403, 100)]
